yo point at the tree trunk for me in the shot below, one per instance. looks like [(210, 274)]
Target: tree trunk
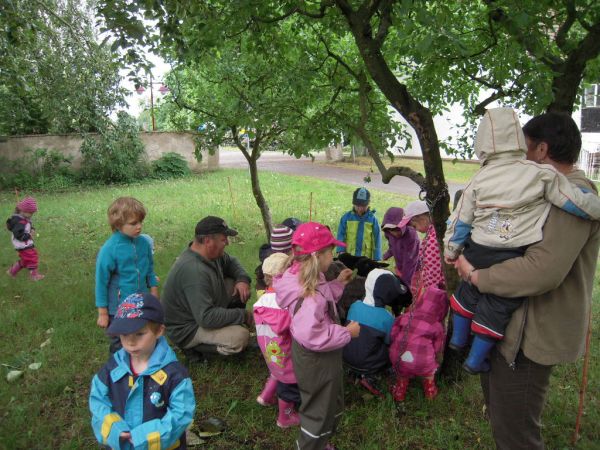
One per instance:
[(258, 196)]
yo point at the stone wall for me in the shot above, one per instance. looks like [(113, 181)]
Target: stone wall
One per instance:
[(156, 144)]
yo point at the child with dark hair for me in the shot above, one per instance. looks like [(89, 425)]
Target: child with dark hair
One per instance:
[(142, 397), (359, 228), (125, 264), (500, 213), (21, 227)]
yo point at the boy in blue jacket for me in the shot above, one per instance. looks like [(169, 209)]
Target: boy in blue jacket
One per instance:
[(142, 398), (124, 264)]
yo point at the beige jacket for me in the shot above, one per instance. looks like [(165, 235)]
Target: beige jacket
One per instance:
[(557, 274), (508, 200)]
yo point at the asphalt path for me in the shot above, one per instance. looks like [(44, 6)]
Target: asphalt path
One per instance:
[(283, 163)]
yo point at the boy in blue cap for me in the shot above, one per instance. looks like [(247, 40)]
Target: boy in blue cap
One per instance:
[(142, 397), (359, 228)]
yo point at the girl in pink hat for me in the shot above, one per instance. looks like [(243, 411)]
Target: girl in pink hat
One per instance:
[(317, 335), (21, 227)]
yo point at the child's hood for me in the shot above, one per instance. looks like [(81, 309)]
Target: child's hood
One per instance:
[(287, 286), (392, 216), (435, 307), (383, 288), (162, 355), (499, 132)]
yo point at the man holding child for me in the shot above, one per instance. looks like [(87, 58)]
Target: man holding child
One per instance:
[(201, 314)]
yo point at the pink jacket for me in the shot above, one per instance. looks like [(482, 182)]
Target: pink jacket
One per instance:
[(311, 325), (418, 339), (274, 338)]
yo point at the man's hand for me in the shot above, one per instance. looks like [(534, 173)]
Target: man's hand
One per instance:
[(102, 321), (466, 270), (345, 276), (242, 289)]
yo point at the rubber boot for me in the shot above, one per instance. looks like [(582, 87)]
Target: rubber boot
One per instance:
[(480, 349), (35, 275), (268, 396), (429, 388), (399, 388), (14, 269), (461, 330), (288, 417)]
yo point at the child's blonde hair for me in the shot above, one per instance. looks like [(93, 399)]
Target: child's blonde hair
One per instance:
[(309, 270), (124, 208)]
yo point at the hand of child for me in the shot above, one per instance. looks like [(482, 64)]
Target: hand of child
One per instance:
[(154, 291), (345, 276), (102, 321), (354, 329), (125, 436), (249, 319), (449, 261)]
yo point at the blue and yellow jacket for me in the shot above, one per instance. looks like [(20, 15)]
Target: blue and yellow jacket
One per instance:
[(124, 266), (155, 407), (361, 234)]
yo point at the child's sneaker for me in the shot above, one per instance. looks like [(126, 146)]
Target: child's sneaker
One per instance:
[(36, 276), (399, 388), (429, 389)]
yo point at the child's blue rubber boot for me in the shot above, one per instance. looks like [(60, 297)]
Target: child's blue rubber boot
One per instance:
[(461, 329), (477, 362)]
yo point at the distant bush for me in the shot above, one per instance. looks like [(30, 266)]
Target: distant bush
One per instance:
[(117, 155), (170, 165), (39, 168)]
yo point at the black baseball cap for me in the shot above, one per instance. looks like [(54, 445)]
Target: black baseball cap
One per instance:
[(135, 312), (214, 225)]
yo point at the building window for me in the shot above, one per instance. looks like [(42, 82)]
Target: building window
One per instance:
[(590, 109)]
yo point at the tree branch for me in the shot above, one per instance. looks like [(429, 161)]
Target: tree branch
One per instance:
[(385, 22), (297, 10), (561, 34)]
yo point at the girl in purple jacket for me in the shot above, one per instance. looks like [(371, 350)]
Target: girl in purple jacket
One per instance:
[(403, 244), (317, 336)]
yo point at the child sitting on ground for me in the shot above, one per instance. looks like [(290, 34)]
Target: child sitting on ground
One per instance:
[(499, 214), (418, 338), (280, 242), (367, 355), (275, 341), (142, 397), (125, 264), (359, 228), (317, 336), (21, 227)]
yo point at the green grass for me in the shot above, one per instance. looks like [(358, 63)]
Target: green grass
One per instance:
[(48, 408), (456, 171)]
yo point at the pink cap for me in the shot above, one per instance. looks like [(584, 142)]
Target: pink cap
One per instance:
[(27, 205), (411, 210), (311, 237)]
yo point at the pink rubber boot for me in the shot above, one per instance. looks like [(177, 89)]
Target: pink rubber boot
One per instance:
[(14, 269), (268, 396), (35, 275), (288, 417)]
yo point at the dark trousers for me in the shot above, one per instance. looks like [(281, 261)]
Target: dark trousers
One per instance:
[(320, 380), (289, 392), (515, 399), (490, 313)]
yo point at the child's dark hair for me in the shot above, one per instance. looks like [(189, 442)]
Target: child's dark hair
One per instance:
[(559, 131), (122, 209)]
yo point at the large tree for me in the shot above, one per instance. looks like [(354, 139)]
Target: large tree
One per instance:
[(54, 75)]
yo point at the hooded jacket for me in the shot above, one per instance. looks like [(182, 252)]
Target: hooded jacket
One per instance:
[(124, 266), (155, 407), (273, 336), (508, 200), (21, 229), (361, 234), (311, 325), (404, 249), (418, 336)]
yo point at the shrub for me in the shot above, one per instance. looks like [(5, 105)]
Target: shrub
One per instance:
[(170, 165), (116, 155), (39, 168)]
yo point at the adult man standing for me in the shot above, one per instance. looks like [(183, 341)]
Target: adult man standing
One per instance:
[(201, 314), (556, 274)]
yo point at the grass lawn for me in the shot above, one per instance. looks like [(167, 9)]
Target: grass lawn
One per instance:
[(47, 408), (456, 171)]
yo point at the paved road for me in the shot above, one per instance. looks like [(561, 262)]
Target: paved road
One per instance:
[(278, 162)]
